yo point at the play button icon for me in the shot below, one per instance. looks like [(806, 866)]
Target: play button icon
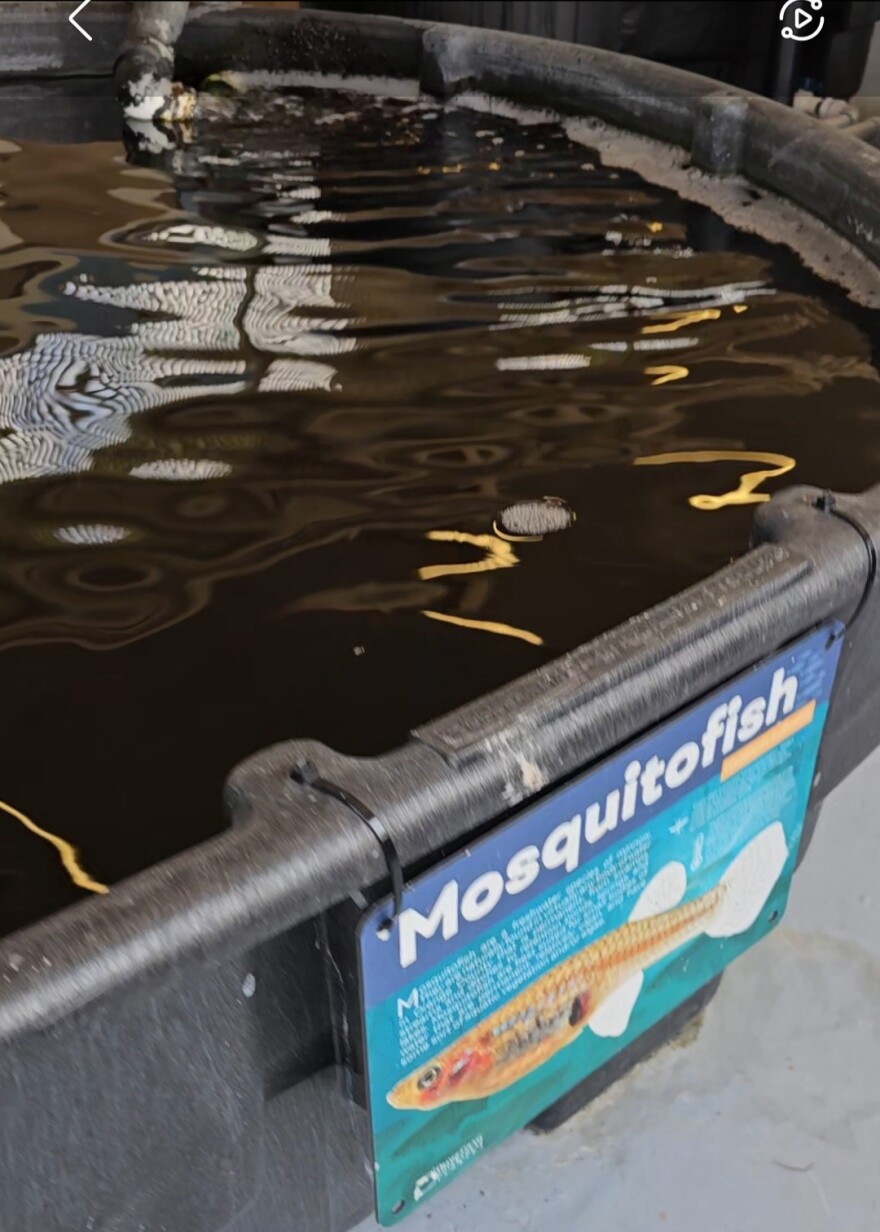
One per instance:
[(807, 17)]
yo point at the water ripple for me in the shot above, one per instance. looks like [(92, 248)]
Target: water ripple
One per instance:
[(262, 396)]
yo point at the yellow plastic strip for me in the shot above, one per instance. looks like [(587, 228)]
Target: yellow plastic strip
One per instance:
[(678, 322), (745, 494), (68, 853), (498, 555), (664, 373), (515, 538), (487, 626)]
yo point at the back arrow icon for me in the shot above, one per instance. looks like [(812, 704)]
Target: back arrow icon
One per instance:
[(75, 23)]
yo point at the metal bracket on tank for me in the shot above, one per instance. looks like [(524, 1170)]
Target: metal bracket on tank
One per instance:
[(306, 773), (826, 502)]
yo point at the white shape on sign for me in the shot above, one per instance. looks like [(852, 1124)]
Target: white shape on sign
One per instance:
[(72, 19)]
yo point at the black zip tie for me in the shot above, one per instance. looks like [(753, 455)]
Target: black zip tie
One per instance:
[(307, 774), (827, 503)]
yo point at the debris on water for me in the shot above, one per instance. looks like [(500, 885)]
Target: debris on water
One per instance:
[(180, 104), (532, 519)]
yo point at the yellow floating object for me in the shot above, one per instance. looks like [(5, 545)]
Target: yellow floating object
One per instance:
[(487, 626), (498, 554), (69, 854), (746, 493), (679, 322), (666, 373)]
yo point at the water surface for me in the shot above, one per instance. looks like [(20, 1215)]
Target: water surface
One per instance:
[(261, 401)]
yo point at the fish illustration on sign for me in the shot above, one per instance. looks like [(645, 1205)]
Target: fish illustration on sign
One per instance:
[(599, 985)]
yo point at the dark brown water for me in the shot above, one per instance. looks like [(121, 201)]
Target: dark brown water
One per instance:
[(260, 407)]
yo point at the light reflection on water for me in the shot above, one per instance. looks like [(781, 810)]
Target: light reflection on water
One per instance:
[(261, 405)]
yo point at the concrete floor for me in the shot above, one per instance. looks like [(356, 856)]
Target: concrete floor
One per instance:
[(766, 1115)]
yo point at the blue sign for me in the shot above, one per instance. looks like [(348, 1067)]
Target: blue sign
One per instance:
[(519, 966)]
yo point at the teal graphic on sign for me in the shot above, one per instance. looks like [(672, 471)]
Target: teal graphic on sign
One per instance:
[(518, 967)]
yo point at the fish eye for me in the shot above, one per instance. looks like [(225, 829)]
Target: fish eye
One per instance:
[(428, 1078)]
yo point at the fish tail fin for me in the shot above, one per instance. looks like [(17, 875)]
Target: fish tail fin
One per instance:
[(748, 882), (664, 891)]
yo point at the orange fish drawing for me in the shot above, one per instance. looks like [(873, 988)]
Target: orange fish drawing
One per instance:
[(597, 987)]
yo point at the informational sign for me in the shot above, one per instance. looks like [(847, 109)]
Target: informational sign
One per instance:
[(519, 966)]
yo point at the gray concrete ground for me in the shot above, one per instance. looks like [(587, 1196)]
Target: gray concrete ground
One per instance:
[(765, 1115)]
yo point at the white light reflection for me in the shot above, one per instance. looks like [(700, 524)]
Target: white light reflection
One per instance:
[(181, 469), (541, 363), (287, 374), (645, 344), (90, 535), (620, 301), (71, 394), (228, 238)]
